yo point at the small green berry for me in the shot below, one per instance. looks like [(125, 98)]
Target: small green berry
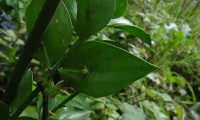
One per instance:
[(85, 71)]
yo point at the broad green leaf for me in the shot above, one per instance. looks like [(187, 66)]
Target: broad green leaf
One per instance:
[(127, 26), (99, 69), (26, 118), (92, 16), (32, 13), (120, 8), (114, 43), (25, 88), (72, 8), (57, 35), (4, 111), (30, 111)]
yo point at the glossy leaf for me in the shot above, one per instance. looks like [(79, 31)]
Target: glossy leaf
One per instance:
[(127, 26), (57, 35), (120, 8), (26, 118), (114, 43), (72, 8), (92, 16), (4, 111), (25, 88), (99, 69)]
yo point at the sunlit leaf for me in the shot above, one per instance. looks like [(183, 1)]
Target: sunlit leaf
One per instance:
[(127, 26), (71, 114), (99, 69), (132, 113)]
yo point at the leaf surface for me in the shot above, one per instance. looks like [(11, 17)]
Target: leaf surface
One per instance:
[(133, 113), (92, 16), (57, 36), (100, 69), (120, 8), (72, 8), (127, 26), (25, 89)]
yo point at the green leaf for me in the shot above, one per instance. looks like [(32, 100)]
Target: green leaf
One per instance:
[(132, 113), (99, 69), (25, 89), (114, 43), (26, 118), (71, 114), (32, 13), (120, 8), (179, 110), (92, 16), (72, 8), (152, 107), (57, 36), (164, 96), (30, 111), (127, 26), (80, 102), (4, 111)]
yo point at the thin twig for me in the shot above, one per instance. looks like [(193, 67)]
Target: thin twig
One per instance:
[(132, 93), (64, 102)]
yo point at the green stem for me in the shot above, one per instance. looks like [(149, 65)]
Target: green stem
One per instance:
[(45, 107), (60, 62), (29, 49), (64, 102), (25, 103)]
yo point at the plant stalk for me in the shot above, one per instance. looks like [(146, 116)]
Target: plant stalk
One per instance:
[(64, 102), (30, 48), (45, 107)]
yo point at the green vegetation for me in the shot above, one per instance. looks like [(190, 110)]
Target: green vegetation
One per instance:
[(86, 62)]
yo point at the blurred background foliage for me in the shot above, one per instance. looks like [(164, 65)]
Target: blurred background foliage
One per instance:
[(171, 93)]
